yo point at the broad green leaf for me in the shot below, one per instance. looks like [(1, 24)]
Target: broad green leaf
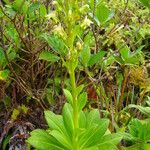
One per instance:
[(96, 58), (93, 134), (139, 130), (102, 13), (68, 119), (41, 140), (110, 139), (85, 55), (63, 140), (55, 122), (134, 128), (48, 56), (68, 96), (82, 99), (79, 89), (4, 74), (125, 53), (144, 132), (82, 120), (93, 117), (56, 43)]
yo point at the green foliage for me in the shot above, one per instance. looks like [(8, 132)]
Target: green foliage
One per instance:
[(91, 132), (4, 74), (48, 56), (97, 58), (145, 3), (103, 13), (138, 131), (52, 51), (129, 58), (20, 110), (144, 110)]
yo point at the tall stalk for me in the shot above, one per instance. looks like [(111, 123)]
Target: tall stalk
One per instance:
[(71, 69), (75, 108)]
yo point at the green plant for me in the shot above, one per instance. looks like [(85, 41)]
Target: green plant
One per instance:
[(139, 134), (94, 52), (74, 129), (91, 133)]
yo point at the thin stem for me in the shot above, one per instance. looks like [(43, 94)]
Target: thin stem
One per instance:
[(75, 109)]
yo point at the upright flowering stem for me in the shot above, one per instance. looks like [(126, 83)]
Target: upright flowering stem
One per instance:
[(75, 109), (72, 63)]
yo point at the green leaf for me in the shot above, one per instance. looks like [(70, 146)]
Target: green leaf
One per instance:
[(108, 147), (146, 146), (111, 139), (79, 89), (102, 13), (20, 6), (138, 146), (93, 117), (68, 96), (68, 119), (82, 99), (55, 122), (92, 148), (134, 127), (85, 55), (4, 74), (82, 120), (56, 43), (48, 56), (125, 53), (93, 134), (6, 142), (110, 60), (41, 140), (144, 110), (3, 61), (34, 6), (145, 3), (17, 4), (96, 58), (63, 140), (42, 10), (139, 129)]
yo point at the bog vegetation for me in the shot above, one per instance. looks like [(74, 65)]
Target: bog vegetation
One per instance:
[(75, 74)]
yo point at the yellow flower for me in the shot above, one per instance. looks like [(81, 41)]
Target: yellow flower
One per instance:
[(52, 15), (79, 46), (86, 23), (58, 29), (84, 9)]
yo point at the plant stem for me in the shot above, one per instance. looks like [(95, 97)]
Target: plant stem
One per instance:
[(75, 109)]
